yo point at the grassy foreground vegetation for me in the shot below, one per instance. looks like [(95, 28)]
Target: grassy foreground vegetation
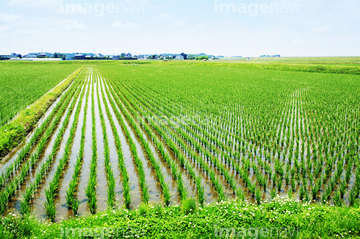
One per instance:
[(279, 218)]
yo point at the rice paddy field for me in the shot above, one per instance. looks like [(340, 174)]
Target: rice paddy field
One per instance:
[(126, 134), (22, 84)]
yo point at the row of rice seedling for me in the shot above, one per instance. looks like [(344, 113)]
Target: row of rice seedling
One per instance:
[(22, 155), (122, 167), (90, 191), (138, 162), (108, 168), (71, 199), (179, 154), (52, 190), (16, 182), (154, 162)]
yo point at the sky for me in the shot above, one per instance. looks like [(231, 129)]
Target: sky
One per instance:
[(217, 27)]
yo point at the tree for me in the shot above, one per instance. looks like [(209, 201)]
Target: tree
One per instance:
[(56, 55), (184, 55), (202, 58)]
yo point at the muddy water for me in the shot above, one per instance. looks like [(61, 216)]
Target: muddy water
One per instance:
[(150, 178), (128, 159), (114, 160), (85, 171), (102, 187), (164, 169), (40, 195)]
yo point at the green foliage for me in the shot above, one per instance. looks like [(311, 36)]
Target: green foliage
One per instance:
[(307, 221), (198, 58), (188, 206)]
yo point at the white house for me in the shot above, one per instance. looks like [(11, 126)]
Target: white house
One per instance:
[(31, 55), (179, 57)]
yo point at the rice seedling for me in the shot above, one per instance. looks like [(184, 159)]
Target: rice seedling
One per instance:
[(258, 196), (90, 191), (108, 169), (72, 202), (337, 199)]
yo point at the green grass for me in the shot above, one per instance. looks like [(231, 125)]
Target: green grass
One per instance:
[(281, 215)]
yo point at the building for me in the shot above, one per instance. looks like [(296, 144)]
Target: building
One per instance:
[(5, 57), (128, 55), (31, 55), (179, 58), (42, 55), (79, 56)]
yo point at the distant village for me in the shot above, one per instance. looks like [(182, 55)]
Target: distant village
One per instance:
[(123, 56)]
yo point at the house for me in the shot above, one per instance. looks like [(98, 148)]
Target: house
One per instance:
[(79, 56), (116, 57), (128, 55), (276, 55), (88, 57), (31, 55), (5, 57), (179, 57), (42, 55)]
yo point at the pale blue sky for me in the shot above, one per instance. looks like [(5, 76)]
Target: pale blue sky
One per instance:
[(219, 27)]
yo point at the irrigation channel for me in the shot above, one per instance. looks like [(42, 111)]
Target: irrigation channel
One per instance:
[(104, 144)]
